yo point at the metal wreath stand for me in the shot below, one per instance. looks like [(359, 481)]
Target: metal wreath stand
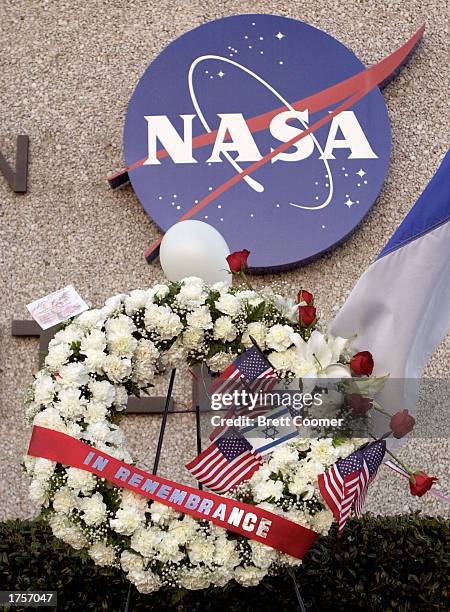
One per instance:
[(162, 431)]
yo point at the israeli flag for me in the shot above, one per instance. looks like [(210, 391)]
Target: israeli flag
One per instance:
[(400, 307), (277, 429)]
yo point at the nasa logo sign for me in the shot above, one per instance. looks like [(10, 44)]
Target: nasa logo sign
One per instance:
[(219, 129)]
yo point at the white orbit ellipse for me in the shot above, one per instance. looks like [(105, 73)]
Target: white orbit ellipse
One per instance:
[(251, 182)]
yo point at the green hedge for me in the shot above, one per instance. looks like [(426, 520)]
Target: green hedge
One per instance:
[(379, 564)]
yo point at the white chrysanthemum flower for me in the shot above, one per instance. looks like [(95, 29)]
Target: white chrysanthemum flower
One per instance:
[(281, 337), (116, 368), (102, 554), (229, 304), (102, 392), (57, 356), (80, 481), (73, 375), (93, 509), (224, 329), (200, 318), (44, 389)]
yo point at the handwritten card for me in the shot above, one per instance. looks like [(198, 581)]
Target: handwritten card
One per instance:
[(57, 307)]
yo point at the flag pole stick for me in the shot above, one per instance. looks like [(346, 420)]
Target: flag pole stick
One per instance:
[(162, 430), (301, 604), (199, 436)]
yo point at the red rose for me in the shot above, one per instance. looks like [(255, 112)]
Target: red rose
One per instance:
[(305, 296), (420, 483), (238, 260), (358, 404), (362, 363), (402, 423), (306, 315)]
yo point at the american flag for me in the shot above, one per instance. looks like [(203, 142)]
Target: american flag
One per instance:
[(344, 485), (226, 462), (250, 370)]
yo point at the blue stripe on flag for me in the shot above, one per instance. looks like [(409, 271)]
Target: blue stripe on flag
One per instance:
[(431, 210)]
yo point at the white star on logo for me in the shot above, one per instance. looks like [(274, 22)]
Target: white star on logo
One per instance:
[(221, 74), (349, 203), (279, 35), (361, 172)]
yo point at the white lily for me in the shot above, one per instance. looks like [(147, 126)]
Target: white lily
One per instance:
[(318, 357)]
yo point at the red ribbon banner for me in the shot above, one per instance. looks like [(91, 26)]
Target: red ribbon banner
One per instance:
[(249, 521)]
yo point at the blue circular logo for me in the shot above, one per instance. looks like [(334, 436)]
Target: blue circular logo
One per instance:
[(233, 124)]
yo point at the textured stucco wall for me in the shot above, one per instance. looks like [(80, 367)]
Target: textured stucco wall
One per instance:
[(68, 69)]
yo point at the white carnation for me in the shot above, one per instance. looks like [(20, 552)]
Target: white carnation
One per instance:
[(95, 412), (44, 469), (224, 329), (102, 554), (73, 375), (144, 580), (195, 578), (66, 531), (102, 392), (219, 361), (158, 291), (193, 338), (200, 318), (39, 492), (93, 509), (229, 304), (113, 305), (249, 575), (116, 368), (136, 301), (119, 336), (280, 337), (163, 321), (50, 418), (80, 481), (192, 294), (130, 562), (269, 489), (201, 550), (95, 340), (44, 389), (127, 520), (91, 319), (258, 331), (57, 356), (64, 501), (70, 403)]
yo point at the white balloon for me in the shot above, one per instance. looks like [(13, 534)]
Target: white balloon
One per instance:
[(194, 248)]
